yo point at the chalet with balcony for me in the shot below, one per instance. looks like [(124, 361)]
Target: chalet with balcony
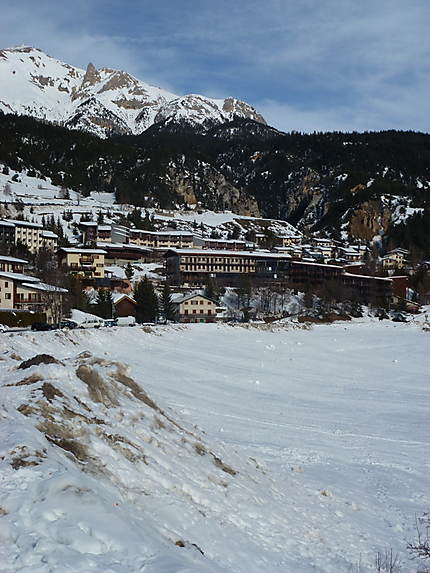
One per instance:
[(194, 308), (395, 259), (88, 263)]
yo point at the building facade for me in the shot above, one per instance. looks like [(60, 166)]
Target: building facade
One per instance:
[(161, 239), (195, 308), (24, 232), (25, 293), (88, 263)]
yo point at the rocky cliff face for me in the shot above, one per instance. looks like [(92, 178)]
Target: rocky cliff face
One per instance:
[(210, 190), (369, 219), (102, 101)]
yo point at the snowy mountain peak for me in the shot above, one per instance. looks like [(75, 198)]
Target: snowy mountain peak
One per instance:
[(102, 101)]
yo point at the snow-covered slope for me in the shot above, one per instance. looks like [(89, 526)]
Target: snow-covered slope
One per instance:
[(100, 101), (298, 452)]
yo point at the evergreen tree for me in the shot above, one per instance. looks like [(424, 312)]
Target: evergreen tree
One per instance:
[(146, 301), (211, 289), (167, 307), (76, 297), (129, 271), (104, 303), (244, 291)]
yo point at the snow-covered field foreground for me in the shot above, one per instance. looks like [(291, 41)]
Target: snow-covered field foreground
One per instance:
[(219, 449)]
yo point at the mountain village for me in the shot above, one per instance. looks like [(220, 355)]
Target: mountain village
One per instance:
[(208, 272)]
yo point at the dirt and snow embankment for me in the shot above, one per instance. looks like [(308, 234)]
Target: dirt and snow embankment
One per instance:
[(97, 475)]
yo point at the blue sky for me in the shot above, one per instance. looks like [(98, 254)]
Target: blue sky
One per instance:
[(304, 64)]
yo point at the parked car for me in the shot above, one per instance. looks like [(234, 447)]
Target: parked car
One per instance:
[(91, 323), (3, 328), (110, 322), (126, 321), (67, 324), (42, 326), (399, 317)]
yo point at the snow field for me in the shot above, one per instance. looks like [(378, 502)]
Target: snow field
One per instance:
[(326, 430)]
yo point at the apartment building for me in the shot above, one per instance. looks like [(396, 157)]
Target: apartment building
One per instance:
[(49, 240), (25, 293), (223, 244), (11, 264), (161, 239), (121, 254), (289, 240), (7, 233), (88, 263), (350, 254), (104, 233), (13, 231), (88, 230), (193, 266)]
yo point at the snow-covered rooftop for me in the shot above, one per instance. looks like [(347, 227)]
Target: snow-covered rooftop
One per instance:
[(44, 287), (83, 251), (18, 277), (225, 253), (19, 223), (6, 259)]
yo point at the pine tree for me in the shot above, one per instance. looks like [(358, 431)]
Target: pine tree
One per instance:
[(129, 271), (244, 291), (211, 289), (146, 301), (104, 303), (166, 303), (76, 297)]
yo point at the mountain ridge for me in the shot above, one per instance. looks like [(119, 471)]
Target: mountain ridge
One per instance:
[(102, 101)]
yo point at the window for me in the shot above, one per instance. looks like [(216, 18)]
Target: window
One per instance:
[(201, 311), (186, 311), (8, 296), (6, 284), (194, 311)]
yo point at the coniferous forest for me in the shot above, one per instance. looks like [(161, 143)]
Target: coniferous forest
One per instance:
[(316, 181)]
